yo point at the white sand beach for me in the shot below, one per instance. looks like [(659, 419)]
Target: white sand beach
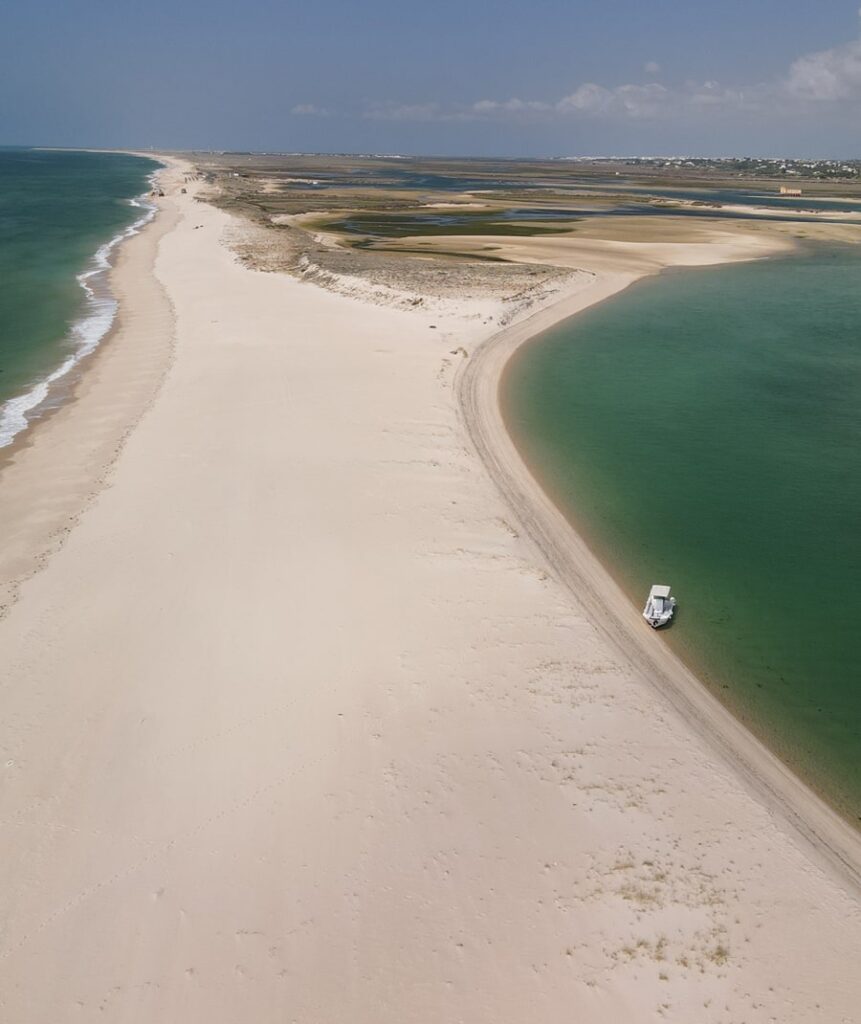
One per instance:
[(316, 710)]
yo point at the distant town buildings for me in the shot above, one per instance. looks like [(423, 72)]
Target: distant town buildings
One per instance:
[(743, 167)]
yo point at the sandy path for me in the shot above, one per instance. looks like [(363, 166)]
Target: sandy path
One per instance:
[(297, 726)]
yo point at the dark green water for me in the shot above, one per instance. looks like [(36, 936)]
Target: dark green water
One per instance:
[(704, 430), (59, 214)]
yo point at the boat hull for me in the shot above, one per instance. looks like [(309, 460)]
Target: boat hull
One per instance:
[(660, 608)]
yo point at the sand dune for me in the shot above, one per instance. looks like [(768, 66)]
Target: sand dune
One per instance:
[(301, 725)]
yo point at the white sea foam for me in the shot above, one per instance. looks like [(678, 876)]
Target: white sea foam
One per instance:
[(84, 337)]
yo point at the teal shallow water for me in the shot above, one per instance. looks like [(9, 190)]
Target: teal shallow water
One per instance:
[(58, 213), (703, 429)]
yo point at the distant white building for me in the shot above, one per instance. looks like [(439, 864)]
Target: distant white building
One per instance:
[(785, 190)]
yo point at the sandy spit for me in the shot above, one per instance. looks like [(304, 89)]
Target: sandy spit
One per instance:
[(304, 720)]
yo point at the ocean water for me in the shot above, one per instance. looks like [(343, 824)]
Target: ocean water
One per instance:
[(703, 429), (61, 216)]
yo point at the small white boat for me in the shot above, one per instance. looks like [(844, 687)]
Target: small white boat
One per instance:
[(660, 607)]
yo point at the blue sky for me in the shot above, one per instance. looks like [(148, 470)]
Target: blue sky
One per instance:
[(483, 78)]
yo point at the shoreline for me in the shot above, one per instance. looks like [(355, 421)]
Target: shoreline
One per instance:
[(568, 555), (93, 403), (92, 328)]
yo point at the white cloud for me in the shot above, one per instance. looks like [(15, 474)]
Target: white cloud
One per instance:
[(642, 100), (587, 98), (391, 111), (512, 106), (309, 110), (828, 75), (478, 111), (632, 101), (713, 94), (832, 75)]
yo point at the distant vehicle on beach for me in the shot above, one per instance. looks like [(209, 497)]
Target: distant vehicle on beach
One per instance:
[(660, 607)]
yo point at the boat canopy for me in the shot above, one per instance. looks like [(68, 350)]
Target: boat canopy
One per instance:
[(658, 591)]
